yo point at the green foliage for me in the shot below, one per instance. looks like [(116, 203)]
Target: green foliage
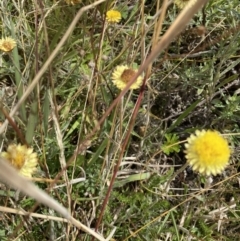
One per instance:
[(3, 235), (157, 180), (193, 84), (171, 144), (141, 208), (92, 184), (204, 228), (230, 109)]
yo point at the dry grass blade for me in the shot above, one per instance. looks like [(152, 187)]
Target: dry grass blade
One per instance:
[(35, 215), (177, 27), (10, 176), (49, 61), (179, 24), (113, 164)]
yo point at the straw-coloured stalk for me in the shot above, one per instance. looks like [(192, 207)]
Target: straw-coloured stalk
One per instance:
[(10, 176), (49, 61), (178, 25)]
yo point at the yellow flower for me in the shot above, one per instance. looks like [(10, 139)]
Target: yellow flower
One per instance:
[(73, 2), (113, 16), (207, 152), (7, 44), (182, 3), (22, 158), (122, 75)]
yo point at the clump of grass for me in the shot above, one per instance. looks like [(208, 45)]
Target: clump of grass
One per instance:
[(116, 161)]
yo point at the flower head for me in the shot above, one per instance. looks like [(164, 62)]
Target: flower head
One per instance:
[(113, 16), (122, 75), (207, 152), (182, 3), (22, 158), (7, 44)]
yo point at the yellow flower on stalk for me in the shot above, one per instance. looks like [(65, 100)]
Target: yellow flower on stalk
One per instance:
[(113, 16), (207, 152), (7, 44), (182, 3), (22, 158), (122, 75)]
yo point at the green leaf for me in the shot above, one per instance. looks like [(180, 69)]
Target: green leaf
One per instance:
[(171, 144)]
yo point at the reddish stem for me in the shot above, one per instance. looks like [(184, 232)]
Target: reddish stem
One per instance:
[(125, 142)]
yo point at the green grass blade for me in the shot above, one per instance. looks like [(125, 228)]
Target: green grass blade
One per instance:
[(183, 115), (18, 75)]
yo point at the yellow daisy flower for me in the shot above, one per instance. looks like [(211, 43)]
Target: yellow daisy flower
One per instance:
[(182, 3), (207, 152), (122, 75), (113, 16), (7, 44), (22, 158)]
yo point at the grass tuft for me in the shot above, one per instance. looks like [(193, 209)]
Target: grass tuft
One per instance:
[(112, 162)]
